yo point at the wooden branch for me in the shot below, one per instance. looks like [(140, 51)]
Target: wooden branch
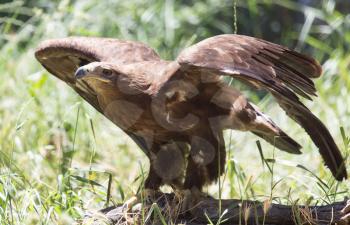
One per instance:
[(232, 212), (252, 212)]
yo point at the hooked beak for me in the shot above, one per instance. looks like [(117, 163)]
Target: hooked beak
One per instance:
[(80, 73)]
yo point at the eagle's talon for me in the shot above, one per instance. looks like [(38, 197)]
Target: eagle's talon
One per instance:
[(183, 197), (128, 204), (147, 196), (189, 198)]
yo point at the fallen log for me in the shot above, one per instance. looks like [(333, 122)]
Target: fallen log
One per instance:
[(167, 210)]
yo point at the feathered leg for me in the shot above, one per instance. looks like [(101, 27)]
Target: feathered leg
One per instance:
[(205, 164), (217, 167), (153, 181), (195, 175)]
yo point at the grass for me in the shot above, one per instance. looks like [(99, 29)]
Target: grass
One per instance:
[(59, 157)]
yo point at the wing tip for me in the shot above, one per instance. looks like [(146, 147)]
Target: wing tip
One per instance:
[(340, 174), (318, 68), (291, 146), (314, 66)]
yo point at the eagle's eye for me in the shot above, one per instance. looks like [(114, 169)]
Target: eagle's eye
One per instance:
[(106, 72)]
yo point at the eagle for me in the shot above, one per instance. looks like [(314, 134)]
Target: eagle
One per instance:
[(176, 111)]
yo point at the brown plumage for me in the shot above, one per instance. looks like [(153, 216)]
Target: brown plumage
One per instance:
[(176, 111)]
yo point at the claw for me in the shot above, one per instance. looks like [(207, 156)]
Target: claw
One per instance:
[(128, 204), (183, 197), (145, 196), (189, 198), (131, 205)]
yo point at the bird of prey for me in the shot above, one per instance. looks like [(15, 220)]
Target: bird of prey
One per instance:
[(176, 111)]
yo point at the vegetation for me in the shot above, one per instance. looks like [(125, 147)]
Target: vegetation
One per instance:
[(59, 157)]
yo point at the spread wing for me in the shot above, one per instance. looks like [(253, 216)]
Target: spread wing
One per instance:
[(62, 57), (283, 72)]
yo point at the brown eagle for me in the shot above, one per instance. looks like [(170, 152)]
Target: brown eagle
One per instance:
[(176, 111)]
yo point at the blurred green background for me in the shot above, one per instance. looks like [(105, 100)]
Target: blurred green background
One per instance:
[(59, 157)]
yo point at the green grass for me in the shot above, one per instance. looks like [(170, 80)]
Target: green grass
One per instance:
[(59, 157)]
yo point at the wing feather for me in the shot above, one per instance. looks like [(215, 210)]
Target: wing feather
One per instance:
[(283, 72)]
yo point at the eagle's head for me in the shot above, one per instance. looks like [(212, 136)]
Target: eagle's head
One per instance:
[(104, 76), (97, 71)]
